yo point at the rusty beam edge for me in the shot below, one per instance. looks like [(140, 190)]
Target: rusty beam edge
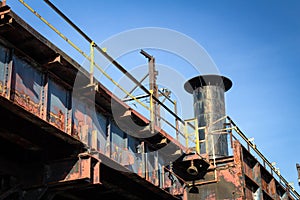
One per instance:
[(45, 42), (21, 112), (141, 182), (75, 65), (107, 164)]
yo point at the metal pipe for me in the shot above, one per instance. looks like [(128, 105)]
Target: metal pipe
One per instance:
[(144, 53), (209, 107), (136, 97), (69, 21)]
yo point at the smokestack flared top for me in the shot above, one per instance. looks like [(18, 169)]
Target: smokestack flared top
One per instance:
[(204, 80)]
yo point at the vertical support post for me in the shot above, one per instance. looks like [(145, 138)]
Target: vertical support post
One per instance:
[(92, 45), (152, 115), (144, 161), (153, 89), (153, 86), (176, 120), (186, 134), (163, 177), (108, 139), (197, 137), (94, 144), (172, 183), (44, 97), (156, 171), (68, 124), (96, 173), (8, 75), (206, 141)]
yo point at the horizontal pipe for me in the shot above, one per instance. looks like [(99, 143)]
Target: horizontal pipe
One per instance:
[(137, 97)]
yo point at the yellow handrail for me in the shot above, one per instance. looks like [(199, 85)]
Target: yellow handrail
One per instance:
[(194, 134), (82, 53), (253, 147)]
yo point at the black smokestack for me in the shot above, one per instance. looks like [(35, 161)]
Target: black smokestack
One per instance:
[(209, 106)]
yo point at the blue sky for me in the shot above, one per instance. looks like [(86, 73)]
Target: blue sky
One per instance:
[(255, 43)]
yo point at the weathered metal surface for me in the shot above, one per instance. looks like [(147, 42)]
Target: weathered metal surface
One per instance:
[(49, 90), (267, 182), (100, 134), (135, 150), (224, 182), (170, 182), (89, 125), (120, 152), (85, 167), (259, 182), (58, 106), (100, 127), (209, 106), (4, 59), (250, 166), (27, 85), (190, 161)]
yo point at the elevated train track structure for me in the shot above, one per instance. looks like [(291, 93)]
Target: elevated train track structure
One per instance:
[(58, 143)]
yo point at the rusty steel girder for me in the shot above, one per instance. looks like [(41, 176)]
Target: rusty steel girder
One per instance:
[(86, 167)]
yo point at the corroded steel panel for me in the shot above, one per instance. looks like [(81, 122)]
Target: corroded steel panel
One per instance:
[(224, 183), (267, 182), (89, 125), (27, 85), (171, 183), (86, 167), (152, 167), (79, 113), (4, 53), (118, 142), (134, 148), (58, 100), (100, 128), (228, 185)]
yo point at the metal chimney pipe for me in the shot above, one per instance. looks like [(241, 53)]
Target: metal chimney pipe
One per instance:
[(209, 106)]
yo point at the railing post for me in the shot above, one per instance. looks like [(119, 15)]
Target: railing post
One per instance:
[(197, 136), (152, 117), (176, 120), (186, 135), (92, 45)]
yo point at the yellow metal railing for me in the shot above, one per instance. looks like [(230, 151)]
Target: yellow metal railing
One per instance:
[(93, 64), (192, 135), (230, 128), (89, 58)]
